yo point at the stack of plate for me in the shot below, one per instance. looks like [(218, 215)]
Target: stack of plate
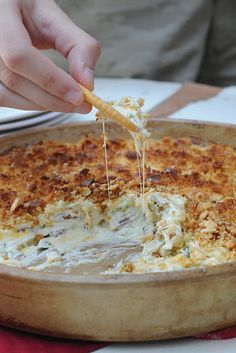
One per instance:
[(13, 120)]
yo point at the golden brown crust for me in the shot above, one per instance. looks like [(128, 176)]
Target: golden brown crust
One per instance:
[(37, 174)]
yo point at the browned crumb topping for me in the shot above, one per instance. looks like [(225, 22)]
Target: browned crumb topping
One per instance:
[(37, 174), (129, 267)]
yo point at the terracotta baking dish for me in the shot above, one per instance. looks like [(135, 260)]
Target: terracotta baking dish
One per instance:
[(120, 307)]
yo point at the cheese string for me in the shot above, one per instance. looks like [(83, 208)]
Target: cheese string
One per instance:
[(140, 152), (143, 165), (106, 159), (139, 139), (140, 155), (139, 167)]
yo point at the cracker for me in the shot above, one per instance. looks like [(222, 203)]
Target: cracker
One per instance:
[(107, 110)]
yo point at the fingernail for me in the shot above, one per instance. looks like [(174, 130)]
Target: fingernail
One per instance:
[(74, 97), (88, 77), (85, 108)]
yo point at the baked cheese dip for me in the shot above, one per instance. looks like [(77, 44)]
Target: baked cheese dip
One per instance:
[(56, 215)]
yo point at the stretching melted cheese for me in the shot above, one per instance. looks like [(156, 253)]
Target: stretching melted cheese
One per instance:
[(132, 109)]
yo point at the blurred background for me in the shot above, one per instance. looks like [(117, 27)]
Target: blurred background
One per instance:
[(164, 40)]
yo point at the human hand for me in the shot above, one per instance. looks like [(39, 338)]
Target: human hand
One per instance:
[(28, 79)]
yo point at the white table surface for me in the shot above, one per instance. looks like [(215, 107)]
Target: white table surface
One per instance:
[(113, 89), (221, 108), (187, 345)]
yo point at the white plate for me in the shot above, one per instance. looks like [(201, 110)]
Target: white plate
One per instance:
[(28, 122), (59, 120), (9, 114), (53, 121)]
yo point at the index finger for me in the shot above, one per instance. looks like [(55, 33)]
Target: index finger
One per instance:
[(22, 58)]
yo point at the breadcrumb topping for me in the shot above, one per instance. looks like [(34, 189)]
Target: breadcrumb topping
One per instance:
[(36, 175)]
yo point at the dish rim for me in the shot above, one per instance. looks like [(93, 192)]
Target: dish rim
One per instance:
[(153, 278)]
